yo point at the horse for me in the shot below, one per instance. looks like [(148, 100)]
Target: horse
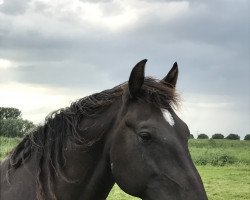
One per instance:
[(129, 135)]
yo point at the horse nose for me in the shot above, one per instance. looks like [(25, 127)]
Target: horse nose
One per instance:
[(187, 188)]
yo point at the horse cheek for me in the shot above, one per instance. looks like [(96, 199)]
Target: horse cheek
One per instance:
[(128, 167)]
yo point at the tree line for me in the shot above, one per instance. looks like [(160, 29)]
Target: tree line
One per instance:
[(231, 136), (12, 124)]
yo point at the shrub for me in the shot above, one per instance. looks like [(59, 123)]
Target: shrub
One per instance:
[(232, 136), (247, 137), (15, 127), (191, 136), (217, 136), (222, 160), (202, 136)]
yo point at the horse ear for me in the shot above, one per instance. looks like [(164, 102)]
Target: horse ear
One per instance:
[(136, 78), (172, 76)]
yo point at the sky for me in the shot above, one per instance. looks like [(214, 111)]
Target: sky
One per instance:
[(55, 52)]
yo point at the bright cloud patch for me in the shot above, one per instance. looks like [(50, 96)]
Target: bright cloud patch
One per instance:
[(6, 64), (112, 15), (36, 102)]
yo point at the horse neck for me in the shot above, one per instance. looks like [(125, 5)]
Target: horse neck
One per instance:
[(93, 165)]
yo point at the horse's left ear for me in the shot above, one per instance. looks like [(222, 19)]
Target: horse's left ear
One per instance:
[(172, 76), (136, 78)]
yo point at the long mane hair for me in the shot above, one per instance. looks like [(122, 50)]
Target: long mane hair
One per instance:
[(48, 141)]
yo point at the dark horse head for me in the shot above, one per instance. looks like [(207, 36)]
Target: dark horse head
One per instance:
[(129, 134)]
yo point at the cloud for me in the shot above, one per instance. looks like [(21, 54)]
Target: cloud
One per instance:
[(6, 64), (194, 33), (215, 114), (36, 102), (94, 44), (14, 7)]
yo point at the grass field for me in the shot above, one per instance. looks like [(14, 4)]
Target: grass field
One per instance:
[(224, 166), (220, 152), (6, 144)]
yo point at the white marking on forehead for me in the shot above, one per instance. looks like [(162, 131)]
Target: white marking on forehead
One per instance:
[(167, 115)]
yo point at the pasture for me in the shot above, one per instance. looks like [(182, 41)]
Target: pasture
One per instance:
[(224, 166)]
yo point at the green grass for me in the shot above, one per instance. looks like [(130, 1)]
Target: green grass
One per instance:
[(226, 183), (224, 166), (6, 144), (220, 152), (117, 194)]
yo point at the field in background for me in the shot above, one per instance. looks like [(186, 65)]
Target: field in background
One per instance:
[(220, 152), (6, 144), (224, 166)]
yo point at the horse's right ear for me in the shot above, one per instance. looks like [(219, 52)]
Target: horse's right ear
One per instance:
[(172, 76), (136, 78)]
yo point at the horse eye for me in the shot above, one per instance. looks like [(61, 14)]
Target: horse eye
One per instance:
[(145, 137)]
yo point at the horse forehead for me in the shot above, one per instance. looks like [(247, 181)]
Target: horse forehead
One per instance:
[(150, 113), (144, 110)]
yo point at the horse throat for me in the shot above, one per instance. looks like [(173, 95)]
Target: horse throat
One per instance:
[(100, 182)]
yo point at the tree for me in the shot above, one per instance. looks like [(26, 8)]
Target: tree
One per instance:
[(8, 112), (15, 127), (191, 136), (247, 137), (202, 136), (232, 136), (11, 123), (217, 136)]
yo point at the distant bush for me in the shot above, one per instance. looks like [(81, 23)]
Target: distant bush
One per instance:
[(12, 124), (12, 127), (232, 136), (191, 136), (247, 137), (202, 136), (222, 160), (214, 157), (217, 136)]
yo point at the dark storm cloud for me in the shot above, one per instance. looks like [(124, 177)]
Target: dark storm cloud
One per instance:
[(209, 40)]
